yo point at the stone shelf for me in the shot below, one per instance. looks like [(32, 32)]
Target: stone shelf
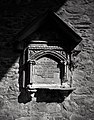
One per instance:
[(49, 93), (49, 87)]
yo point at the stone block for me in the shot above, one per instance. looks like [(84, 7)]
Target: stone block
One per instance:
[(77, 117), (59, 118), (29, 118), (53, 108), (1, 102), (5, 118), (47, 117), (83, 90), (38, 107)]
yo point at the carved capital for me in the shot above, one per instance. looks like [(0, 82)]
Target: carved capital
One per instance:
[(31, 62)]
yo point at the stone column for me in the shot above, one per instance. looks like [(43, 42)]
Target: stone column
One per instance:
[(65, 71), (23, 78), (31, 71)]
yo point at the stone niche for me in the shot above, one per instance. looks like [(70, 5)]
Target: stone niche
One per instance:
[(47, 66), (45, 63)]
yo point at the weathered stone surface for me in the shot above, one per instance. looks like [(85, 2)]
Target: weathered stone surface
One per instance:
[(53, 108), (59, 118), (70, 105), (5, 118), (83, 90), (78, 14), (47, 117), (38, 107), (1, 102), (28, 118), (77, 117)]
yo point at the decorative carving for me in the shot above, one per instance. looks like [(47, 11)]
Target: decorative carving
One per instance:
[(47, 65), (41, 53)]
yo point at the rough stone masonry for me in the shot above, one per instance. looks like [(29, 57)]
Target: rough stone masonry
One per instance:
[(14, 16)]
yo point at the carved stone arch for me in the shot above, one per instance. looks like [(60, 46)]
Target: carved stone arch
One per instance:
[(55, 54)]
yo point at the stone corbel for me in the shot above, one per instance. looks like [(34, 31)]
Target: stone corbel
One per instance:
[(31, 91)]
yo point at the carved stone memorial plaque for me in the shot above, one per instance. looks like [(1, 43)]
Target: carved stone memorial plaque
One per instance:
[(46, 71)]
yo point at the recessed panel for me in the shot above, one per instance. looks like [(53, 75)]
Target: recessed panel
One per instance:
[(46, 71)]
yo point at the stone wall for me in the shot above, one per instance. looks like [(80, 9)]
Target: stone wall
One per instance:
[(78, 14)]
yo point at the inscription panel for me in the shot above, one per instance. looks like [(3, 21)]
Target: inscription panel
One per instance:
[(46, 71)]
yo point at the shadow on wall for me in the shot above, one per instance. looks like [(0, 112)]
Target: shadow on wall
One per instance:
[(31, 4), (44, 95), (8, 55), (7, 59)]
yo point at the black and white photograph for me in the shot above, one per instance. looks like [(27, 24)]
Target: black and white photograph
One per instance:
[(46, 59)]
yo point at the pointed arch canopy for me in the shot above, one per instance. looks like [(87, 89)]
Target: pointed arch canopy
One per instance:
[(55, 54), (69, 39)]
